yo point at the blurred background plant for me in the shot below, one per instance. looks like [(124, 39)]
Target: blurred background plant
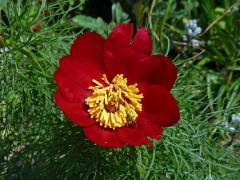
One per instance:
[(39, 142)]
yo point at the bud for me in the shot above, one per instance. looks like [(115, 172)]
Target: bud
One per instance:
[(46, 13), (35, 27), (1, 40)]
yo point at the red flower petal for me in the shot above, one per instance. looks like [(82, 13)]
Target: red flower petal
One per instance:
[(88, 47), (132, 136), (135, 60), (120, 58), (80, 71), (73, 111), (72, 91), (121, 35), (149, 126), (73, 78), (142, 42), (124, 62), (102, 136), (162, 71), (160, 105)]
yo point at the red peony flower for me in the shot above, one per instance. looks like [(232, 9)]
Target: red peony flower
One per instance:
[(115, 89)]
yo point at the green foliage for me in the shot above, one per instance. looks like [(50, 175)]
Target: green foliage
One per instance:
[(38, 142), (96, 25), (119, 16)]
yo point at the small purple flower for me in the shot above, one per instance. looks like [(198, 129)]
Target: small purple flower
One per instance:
[(236, 118), (195, 42), (192, 30), (197, 31), (232, 129)]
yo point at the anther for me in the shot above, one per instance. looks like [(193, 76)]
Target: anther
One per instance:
[(114, 104)]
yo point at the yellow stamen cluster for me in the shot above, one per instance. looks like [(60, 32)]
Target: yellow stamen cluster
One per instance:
[(114, 104)]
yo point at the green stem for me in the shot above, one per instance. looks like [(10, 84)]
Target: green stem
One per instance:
[(163, 23), (152, 161), (29, 54)]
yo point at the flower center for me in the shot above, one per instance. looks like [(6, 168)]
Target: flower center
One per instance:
[(114, 104)]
